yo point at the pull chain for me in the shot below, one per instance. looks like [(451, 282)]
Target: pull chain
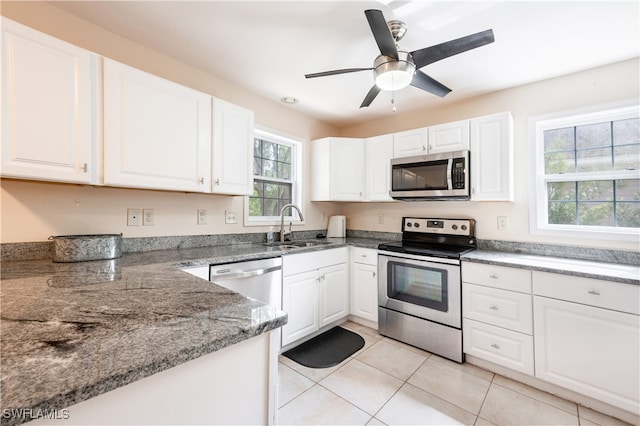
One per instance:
[(393, 102)]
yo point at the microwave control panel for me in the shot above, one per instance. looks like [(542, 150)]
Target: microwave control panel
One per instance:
[(463, 227), (458, 171)]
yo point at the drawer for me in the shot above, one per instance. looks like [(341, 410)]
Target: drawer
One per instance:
[(364, 255), (293, 264), (588, 291), (497, 276), (503, 347), (506, 309)]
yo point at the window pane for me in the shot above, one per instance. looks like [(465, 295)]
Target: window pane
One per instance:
[(595, 190), (561, 191), (628, 190), (257, 148), (269, 168), (559, 162), (559, 140), (562, 213), (271, 190), (258, 188), (595, 214), (626, 157), (628, 215), (284, 170), (593, 135), (626, 131), (255, 206), (269, 150), (271, 207), (285, 191), (594, 160), (284, 153), (257, 166)]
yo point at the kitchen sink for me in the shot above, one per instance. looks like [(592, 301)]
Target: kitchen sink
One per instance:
[(288, 245)]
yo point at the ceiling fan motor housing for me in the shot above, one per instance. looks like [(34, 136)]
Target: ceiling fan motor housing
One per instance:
[(394, 74)]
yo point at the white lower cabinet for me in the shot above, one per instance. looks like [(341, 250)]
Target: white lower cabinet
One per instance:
[(497, 323), (364, 283), (315, 291), (593, 350)]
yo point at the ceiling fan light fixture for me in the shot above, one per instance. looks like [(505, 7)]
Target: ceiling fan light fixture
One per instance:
[(393, 74)]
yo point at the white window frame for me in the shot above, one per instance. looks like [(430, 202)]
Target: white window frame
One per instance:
[(296, 145), (538, 192)]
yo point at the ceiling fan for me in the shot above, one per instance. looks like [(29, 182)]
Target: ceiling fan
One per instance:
[(396, 69)]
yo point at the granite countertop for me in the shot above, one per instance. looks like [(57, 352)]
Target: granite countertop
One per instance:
[(584, 268), (72, 331)]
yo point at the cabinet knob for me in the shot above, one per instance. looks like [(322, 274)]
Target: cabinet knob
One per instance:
[(374, 274), (201, 181), (493, 307), (85, 168), (217, 182), (494, 276), (495, 346), (594, 292)]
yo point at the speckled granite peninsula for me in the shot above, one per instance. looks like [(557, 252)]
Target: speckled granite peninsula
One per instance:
[(74, 331)]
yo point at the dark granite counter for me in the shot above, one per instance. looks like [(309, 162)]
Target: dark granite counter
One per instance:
[(629, 274)]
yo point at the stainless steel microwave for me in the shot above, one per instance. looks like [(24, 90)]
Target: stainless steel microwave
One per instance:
[(443, 176)]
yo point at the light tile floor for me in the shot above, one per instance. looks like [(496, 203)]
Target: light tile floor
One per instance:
[(391, 383)]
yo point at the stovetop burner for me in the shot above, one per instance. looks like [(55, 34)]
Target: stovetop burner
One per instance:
[(445, 238)]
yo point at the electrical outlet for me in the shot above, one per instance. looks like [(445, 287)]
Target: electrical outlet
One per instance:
[(502, 223), (380, 218), (134, 217), (202, 217), (148, 217), (230, 217)]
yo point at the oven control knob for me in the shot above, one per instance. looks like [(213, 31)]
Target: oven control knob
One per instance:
[(409, 225), (463, 227), (416, 225), (454, 227)]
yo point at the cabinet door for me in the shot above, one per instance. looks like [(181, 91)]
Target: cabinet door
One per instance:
[(157, 133), (449, 137), (347, 169), (300, 302), (410, 143), (364, 291), (379, 151), (492, 158), (589, 350), (47, 107), (334, 293), (232, 149)]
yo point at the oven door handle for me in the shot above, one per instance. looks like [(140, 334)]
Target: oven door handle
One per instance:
[(419, 257)]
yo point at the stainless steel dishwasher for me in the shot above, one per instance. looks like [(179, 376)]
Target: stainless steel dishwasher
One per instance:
[(259, 279)]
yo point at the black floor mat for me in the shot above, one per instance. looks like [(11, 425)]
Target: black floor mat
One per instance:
[(327, 349)]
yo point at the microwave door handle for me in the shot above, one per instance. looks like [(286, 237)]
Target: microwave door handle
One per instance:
[(449, 173)]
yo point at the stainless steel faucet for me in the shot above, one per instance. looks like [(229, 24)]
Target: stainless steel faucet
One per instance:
[(283, 234)]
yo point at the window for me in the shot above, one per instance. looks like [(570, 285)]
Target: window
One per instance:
[(276, 171), (588, 173)]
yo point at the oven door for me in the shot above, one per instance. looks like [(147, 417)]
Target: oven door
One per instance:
[(427, 288)]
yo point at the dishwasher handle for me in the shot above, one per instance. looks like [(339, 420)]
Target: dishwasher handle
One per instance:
[(235, 274)]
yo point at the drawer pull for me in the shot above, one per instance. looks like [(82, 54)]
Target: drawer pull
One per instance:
[(493, 307), (494, 276), (594, 292), (495, 346)]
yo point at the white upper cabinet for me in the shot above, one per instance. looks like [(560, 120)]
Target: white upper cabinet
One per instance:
[(410, 143), (337, 169), (378, 154), (449, 137), (157, 132), (492, 158), (232, 149), (48, 107)]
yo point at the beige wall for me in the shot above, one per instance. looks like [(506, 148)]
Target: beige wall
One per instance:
[(32, 211), (604, 85)]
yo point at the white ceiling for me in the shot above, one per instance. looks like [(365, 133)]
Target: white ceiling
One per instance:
[(268, 46)]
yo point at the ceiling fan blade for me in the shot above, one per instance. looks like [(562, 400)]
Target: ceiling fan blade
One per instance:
[(334, 72), (381, 33), (432, 54), (426, 83), (370, 96)]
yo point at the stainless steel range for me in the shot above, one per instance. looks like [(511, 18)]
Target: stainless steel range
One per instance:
[(419, 285)]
